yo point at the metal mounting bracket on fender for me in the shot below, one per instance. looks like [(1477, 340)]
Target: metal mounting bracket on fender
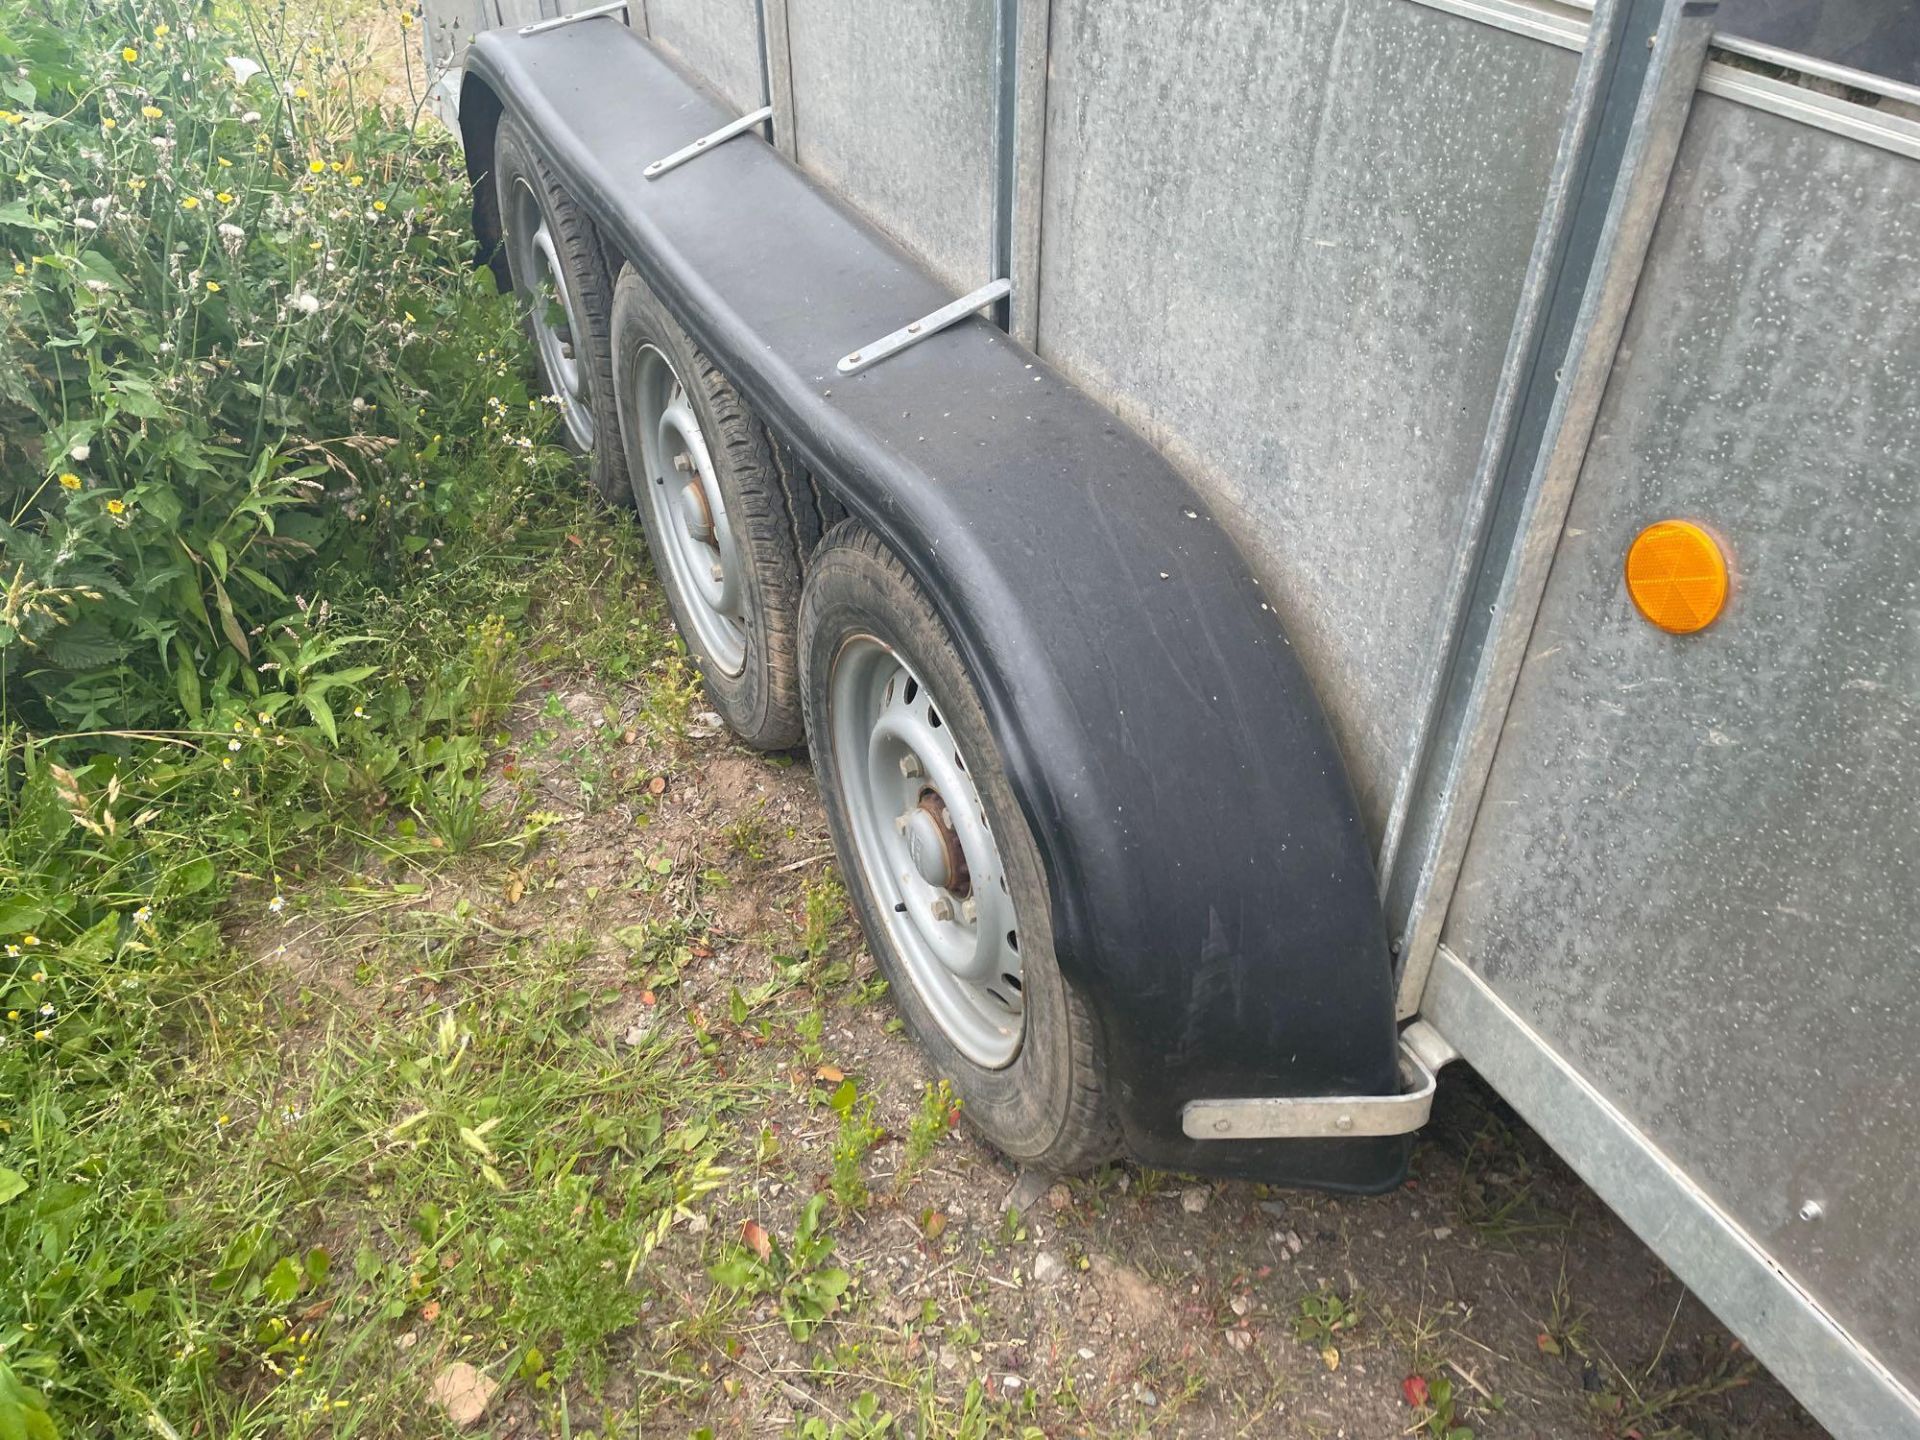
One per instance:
[(1332, 1117)]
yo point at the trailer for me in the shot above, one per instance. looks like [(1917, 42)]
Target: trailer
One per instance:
[(1307, 543)]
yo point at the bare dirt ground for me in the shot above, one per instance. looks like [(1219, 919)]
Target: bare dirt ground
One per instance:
[(1494, 1289)]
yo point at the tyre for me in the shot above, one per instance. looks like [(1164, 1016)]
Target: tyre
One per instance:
[(939, 860), (718, 520), (565, 293)]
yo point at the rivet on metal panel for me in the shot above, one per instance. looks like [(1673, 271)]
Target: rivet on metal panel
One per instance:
[(1812, 1210)]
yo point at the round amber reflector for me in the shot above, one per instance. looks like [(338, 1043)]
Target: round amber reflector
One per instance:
[(1677, 576)]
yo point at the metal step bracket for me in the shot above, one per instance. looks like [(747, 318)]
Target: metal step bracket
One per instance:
[(1332, 1117), (618, 7), (707, 142), (915, 331)]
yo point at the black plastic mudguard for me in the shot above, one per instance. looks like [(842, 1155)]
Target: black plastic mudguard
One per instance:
[(1212, 886)]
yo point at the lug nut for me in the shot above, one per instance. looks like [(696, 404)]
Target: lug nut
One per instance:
[(910, 765), (900, 822), (943, 909), (718, 572), (969, 911)]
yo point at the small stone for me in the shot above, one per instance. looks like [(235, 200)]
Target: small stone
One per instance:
[(948, 1359), (1148, 1398), (1059, 1197), (1294, 1243), (698, 1225), (1085, 1353), (1012, 1382), (1441, 1232), (1026, 1192), (1240, 1341), (1193, 1201), (464, 1393), (1048, 1267), (1240, 1304), (407, 1340), (1274, 1207)]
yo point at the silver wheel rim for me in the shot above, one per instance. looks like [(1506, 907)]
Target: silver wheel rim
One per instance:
[(925, 850), (536, 268), (697, 548)]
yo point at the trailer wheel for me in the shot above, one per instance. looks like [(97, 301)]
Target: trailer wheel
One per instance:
[(561, 283), (940, 863), (717, 518)]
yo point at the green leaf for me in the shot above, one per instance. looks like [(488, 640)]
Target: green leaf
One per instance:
[(194, 876), (18, 914), (322, 713), (12, 1185), (283, 1281), (229, 625), (318, 1264)]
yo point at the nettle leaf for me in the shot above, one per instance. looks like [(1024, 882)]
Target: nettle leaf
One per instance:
[(12, 1185), (84, 647)]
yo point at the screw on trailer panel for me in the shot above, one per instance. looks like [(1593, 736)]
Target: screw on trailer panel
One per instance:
[(1811, 1210)]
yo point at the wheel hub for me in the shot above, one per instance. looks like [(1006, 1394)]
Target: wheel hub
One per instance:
[(934, 846), (695, 513)]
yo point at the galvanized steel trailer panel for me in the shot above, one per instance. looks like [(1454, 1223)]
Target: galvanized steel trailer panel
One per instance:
[(1297, 273), (1695, 865)]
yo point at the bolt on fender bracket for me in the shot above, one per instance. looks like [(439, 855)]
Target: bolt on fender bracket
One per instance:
[(707, 142), (915, 331)]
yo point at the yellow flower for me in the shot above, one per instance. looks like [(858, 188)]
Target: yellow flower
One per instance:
[(318, 167), (224, 198), (29, 940), (43, 1034), (337, 167), (19, 268), (406, 17), (300, 92), (137, 184), (356, 180), (39, 977), (13, 1014), (224, 1120), (223, 162), (190, 202), (152, 112), (116, 507), (129, 54), (161, 29), (70, 481), (213, 287), (380, 205), (108, 123)]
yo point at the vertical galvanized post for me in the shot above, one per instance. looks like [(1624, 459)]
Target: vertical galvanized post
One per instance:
[(1006, 29), (1027, 165), (1635, 88), (777, 61)]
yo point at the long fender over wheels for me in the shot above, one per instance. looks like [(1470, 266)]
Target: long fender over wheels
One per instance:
[(559, 279), (717, 517), (1209, 878), (940, 862)]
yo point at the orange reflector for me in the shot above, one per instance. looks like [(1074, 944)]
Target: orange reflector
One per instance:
[(1677, 576)]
